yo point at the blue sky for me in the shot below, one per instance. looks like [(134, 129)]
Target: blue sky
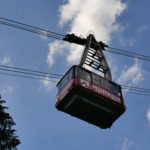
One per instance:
[(121, 24)]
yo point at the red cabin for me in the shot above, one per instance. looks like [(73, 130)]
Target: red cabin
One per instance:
[(90, 97)]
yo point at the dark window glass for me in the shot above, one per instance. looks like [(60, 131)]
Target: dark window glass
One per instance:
[(58, 87), (115, 89), (105, 83), (64, 81), (84, 75), (71, 73), (96, 79)]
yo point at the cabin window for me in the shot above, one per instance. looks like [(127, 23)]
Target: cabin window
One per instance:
[(105, 83), (71, 73), (84, 75), (64, 81), (58, 87), (115, 89), (96, 79)]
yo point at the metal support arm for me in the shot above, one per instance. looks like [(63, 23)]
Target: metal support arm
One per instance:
[(93, 55)]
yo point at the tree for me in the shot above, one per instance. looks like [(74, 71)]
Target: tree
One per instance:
[(8, 139)]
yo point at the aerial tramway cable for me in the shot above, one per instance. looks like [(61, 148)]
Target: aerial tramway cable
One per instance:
[(22, 76), (129, 54), (29, 73), (16, 22), (51, 34), (138, 55), (30, 28), (39, 75), (58, 36), (33, 71)]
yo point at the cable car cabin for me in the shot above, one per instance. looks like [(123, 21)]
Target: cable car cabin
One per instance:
[(90, 97)]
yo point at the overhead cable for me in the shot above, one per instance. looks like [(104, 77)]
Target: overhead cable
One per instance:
[(133, 87), (45, 77), (128, 54), (133, 53), (30, 70), (31, 29), (16, 75), (137, 93), (136, 90), (58, 36), (34, 74), (16, 22)]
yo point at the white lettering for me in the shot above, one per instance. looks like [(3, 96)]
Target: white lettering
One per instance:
[(106, 93), (84, 83)]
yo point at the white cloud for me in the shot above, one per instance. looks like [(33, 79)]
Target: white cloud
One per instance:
[(74, 54), (124, 41), (46, 84), (148, 114), (88, 15), (132, 75), (7, 89), (96, 15), (132, 40), (142, 28), (56, 48), (6, 60), (126, 144)]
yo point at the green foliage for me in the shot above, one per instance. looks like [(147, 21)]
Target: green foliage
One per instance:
[(8, 139)]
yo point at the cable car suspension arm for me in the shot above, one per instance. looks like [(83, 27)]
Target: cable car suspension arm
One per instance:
[(93, 55)]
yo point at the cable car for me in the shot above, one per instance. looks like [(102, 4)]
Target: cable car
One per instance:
[(90, 96)]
